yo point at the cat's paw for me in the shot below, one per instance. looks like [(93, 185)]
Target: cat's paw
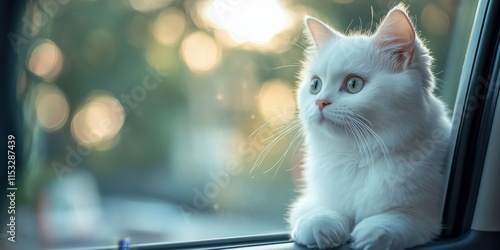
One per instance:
[(321, 230), (372, 238), (392, 231)]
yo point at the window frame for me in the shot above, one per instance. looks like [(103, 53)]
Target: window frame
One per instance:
[(472, 121)]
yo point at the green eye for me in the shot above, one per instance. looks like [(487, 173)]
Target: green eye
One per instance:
[(354, 84), (315, 86)]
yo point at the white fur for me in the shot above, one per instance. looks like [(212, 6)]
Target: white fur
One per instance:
[(381, 190)]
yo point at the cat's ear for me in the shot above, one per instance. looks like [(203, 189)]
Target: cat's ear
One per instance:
[(318, 32), (397, 34)]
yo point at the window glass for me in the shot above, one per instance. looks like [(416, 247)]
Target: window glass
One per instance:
[(166, 121)]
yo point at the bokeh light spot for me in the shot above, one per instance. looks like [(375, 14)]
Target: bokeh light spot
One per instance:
[(435, 20), (98, 122), (169, 26), (148, 5), (276, 98), (200, 52), (51, 106), (46, 60)]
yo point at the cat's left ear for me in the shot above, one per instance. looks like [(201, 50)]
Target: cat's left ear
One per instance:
[(397, 34)]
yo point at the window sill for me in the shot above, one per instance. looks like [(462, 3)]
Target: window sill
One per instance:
[(471, 240)]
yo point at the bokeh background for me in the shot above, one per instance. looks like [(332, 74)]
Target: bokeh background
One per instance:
[(162, 120)]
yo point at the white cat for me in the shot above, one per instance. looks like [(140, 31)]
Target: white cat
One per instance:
[(376, 139)]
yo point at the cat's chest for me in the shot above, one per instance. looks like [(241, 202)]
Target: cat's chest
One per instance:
[(350, 185)]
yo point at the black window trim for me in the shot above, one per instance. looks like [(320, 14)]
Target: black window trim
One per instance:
[(473, 117)]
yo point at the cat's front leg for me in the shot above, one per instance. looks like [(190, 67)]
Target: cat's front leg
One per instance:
[(321, 228), (393, 231)]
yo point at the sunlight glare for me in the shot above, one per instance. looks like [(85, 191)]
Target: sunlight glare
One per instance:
[(255, 21)]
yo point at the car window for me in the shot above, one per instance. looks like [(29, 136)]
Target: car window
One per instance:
[(168, 121)]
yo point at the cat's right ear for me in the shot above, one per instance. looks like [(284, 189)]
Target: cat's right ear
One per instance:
[(318, 32)]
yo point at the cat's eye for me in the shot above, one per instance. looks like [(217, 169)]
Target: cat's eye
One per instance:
[(354, 84), (315, 86)]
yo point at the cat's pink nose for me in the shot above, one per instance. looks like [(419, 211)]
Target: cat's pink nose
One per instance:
[(322, 104)]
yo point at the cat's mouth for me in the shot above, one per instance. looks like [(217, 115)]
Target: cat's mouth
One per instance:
[(321, 118), (326, 121), (342, 117)]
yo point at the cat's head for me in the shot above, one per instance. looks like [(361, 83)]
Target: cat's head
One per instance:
[(382, 80)]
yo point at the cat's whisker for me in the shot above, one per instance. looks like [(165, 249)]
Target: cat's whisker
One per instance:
[(300, 46), (273, 143), (283, 156), (358, 143), (367, 125), (371, 22), (366, 135), (377, 138), (348, 26), (266, 151), (279, 129), (364, 120), (362, 150), (348, 171), (294, 139), (300, 143), (286, 66), (279, 162), (297, 64), (268, 124), (364, 140)]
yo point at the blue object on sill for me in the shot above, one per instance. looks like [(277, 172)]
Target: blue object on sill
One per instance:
[(123, 244)]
